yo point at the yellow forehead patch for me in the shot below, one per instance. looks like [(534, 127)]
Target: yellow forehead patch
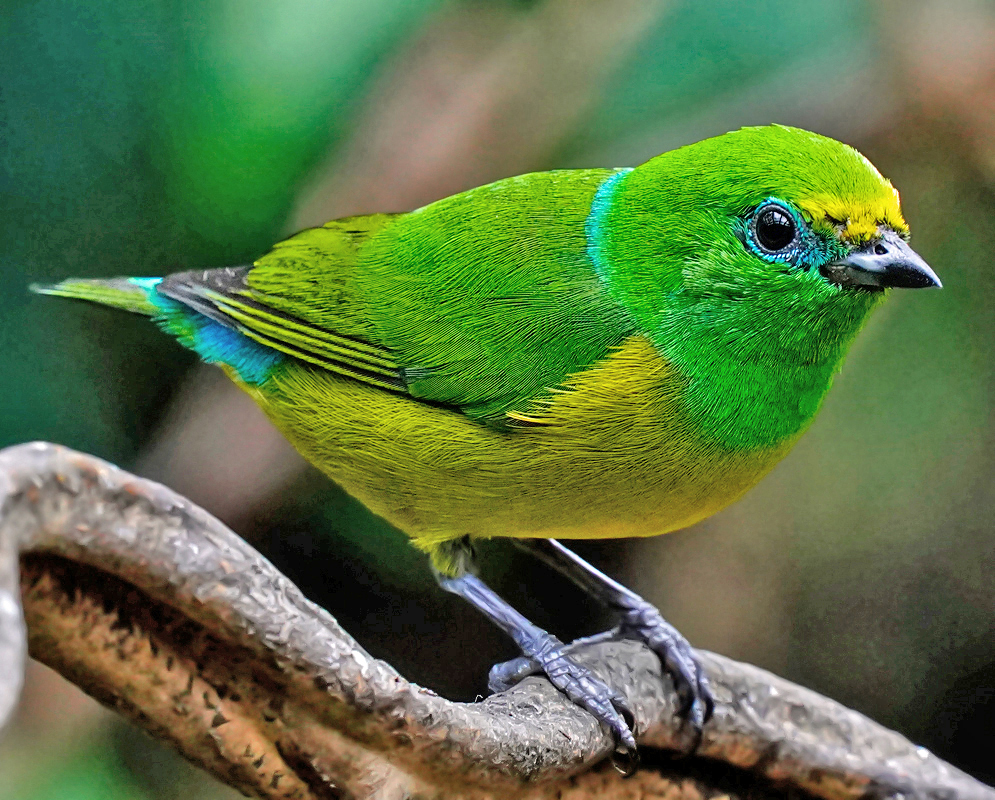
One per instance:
[(856, 221)]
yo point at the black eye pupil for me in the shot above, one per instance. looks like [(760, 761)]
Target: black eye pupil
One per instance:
[(775, 229)]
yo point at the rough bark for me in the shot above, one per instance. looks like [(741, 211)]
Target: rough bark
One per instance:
[(159, 611)]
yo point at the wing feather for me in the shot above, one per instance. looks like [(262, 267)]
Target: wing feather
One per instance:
[(223, 296), (484, 302)]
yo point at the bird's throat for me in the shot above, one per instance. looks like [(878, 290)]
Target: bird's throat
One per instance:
[(755, 382)]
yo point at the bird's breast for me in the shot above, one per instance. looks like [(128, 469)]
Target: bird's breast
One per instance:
[(631, 456)]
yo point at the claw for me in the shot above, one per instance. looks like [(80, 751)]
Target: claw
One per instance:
[(621, 734), (695, 720), (625, 756), (624, 735), (705, 692), (625, 761)]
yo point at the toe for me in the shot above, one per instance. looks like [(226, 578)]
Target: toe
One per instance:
[(509, 673), (695, 702), (579, 684), (583, 687), (625, 741)]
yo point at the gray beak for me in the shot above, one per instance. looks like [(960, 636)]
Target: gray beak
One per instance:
[(881, 263)]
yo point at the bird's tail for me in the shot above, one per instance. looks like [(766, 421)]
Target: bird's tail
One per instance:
[(131, 294)]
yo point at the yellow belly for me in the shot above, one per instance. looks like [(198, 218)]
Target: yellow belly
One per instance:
[(612, 454)]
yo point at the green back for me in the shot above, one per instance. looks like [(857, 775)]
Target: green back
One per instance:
[(486, 299)]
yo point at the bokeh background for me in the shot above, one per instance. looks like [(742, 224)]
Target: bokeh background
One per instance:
[(144, 136)]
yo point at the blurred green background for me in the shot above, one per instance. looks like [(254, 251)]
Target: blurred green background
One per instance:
[(145, 136)]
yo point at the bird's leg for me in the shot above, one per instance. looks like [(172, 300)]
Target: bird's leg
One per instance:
[(547, 654), (640, 620)]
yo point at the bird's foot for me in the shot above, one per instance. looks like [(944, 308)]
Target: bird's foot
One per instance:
[(544, 653), (643, 622), (508, 673)]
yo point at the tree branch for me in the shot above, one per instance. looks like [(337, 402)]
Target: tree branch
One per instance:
[(159, 611)]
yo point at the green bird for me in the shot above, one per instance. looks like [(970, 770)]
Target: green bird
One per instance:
[(570, 354)]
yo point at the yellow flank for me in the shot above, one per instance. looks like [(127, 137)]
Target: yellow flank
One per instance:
[(611, 454)]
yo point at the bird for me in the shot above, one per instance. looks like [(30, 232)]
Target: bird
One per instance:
[(570, 354)]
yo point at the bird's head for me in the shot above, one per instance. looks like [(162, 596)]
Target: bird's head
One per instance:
[(772, 240)]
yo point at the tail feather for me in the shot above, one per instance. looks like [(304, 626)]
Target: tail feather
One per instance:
[(130, 294), (213, 337)]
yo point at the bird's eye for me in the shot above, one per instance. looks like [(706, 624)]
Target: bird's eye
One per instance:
[(777, 233), (774, 229)]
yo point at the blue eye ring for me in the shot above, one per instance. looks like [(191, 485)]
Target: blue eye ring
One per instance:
[(776, 232)]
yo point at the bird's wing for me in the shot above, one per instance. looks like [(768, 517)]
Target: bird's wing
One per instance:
[(484, 301), (226, 297)]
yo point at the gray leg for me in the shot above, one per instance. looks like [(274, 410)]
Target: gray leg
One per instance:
[(640, 620), (545, 653)]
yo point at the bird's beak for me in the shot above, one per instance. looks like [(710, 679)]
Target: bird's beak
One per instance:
[(884, 261)]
